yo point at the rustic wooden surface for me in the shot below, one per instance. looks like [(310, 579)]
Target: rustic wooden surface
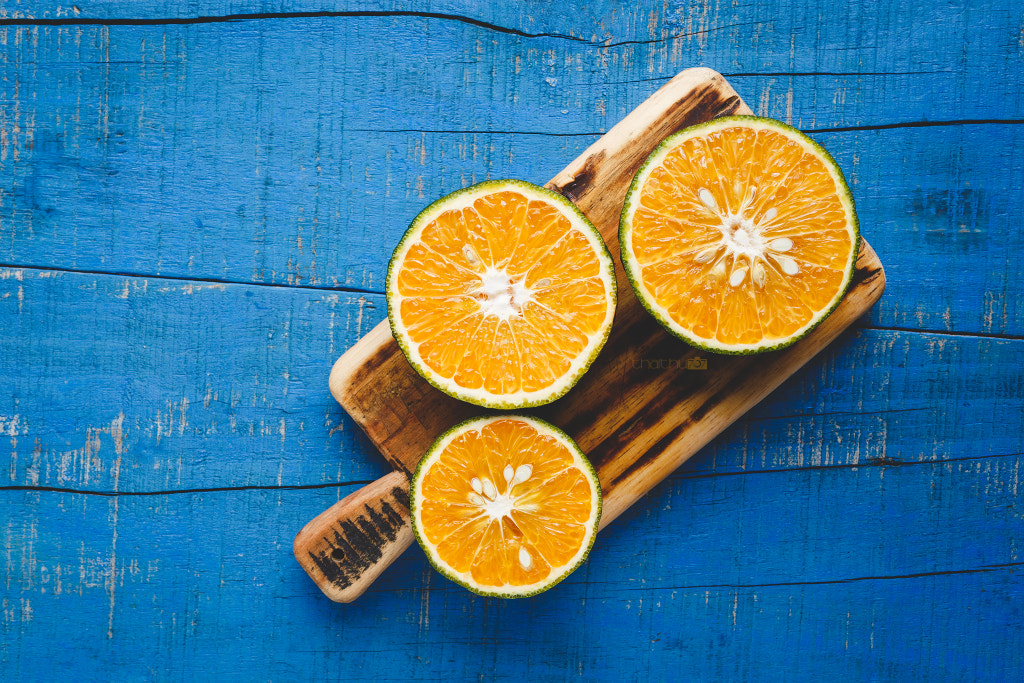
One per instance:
[(195, 218)]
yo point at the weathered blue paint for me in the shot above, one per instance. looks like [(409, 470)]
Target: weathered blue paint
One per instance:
[(260, 151), (194, 223), (203, 408), (864, 571), (144, 384)]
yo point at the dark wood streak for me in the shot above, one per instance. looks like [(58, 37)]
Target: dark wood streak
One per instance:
[(863, 276), (583, 180), (702, 104), (365, 371), (651, 454), (633, 378), (657, 408)]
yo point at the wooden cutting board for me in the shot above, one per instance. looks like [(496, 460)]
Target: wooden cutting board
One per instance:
[(647, 404)]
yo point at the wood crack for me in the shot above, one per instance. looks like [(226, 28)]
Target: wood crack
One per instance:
[(916, 124), (264, 16), (795, 74), (854, 579), (176, 278), (169, 492), (352, 14), (356, 290), (870, 462)]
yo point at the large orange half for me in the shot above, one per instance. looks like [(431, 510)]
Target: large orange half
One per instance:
[(739, 235)]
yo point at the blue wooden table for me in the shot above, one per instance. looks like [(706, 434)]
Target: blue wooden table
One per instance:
[(198, 199)]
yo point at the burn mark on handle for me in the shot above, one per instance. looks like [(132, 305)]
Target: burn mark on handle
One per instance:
[(357, 544), (365, 372), (703, 104), (864, 275)]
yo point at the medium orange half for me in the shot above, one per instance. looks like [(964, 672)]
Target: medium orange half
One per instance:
[(501, 294)]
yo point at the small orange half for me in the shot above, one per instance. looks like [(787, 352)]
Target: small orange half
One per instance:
[(505, 506)]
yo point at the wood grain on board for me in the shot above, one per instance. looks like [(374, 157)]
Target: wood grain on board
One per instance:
[(647, 403)]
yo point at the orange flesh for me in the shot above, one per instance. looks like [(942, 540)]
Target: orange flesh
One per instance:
[(549, 512), (532, 244), (747, 172)]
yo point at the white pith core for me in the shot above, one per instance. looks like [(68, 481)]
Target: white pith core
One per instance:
[(497, 505), (743, 250), (501, 295)]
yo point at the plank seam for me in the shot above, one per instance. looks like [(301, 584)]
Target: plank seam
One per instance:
[(869, 462), (918, 124), (172, 278), (676, 476), (948, 333), (263, 16), (779, 74), (886, 577), (440, 131), (214, 489), (356, 290), (807, 131), (986, 569)]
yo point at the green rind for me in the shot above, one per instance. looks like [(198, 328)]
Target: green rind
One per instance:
[(628, 265), (414, 504), (467, 398)]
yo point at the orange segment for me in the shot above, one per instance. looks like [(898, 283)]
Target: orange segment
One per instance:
[(571, 258), (501, 294), (459, 241), (426, 319), (505, 505), (665, 237), (429, 273), (439, 352), (739, 235), (547, 227)]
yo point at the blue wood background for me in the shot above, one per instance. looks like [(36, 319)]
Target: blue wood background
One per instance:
[(197, 203)]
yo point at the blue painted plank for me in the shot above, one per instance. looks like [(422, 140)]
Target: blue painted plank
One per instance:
[(805, 36), (163, 384), (130, 384), (231, 183), (858, 572), (281, 183)]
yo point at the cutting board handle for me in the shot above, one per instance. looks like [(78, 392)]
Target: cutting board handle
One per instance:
[(348, 545)]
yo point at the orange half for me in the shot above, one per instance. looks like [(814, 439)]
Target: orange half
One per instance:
[(501, 294), (739, 235), (505, 506)]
